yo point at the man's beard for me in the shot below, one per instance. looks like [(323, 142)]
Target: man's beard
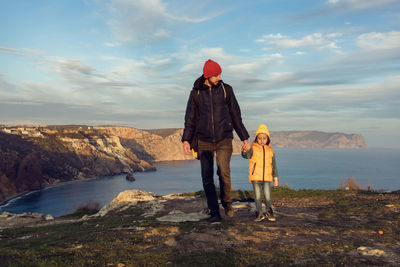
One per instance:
[(213, 83)]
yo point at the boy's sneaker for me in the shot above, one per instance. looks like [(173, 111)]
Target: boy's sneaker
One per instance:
[(260, 218), (270, 215)]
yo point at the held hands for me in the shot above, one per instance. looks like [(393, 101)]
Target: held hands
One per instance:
[(186, 148), (276, 181), (246, 146)]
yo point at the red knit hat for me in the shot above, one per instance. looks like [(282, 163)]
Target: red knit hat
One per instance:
[(211, 68)]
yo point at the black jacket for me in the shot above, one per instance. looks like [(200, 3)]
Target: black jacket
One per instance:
[(218, 115)]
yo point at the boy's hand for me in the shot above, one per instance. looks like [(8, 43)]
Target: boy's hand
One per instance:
[(276, 181), (246, 146)]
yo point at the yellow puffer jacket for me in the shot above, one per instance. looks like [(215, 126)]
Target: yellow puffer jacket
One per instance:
[(261, 167)]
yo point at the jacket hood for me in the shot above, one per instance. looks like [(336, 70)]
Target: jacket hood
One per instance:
[(199, 84), (262, 129)]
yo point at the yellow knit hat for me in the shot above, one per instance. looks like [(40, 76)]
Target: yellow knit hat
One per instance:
[(262, 129)]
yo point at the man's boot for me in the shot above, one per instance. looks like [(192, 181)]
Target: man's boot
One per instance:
[(229, 210), (215, 217)]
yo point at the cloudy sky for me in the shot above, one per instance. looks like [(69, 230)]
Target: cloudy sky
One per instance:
[(328, 65)]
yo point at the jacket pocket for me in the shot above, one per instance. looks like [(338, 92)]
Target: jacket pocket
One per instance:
[(254, 168)]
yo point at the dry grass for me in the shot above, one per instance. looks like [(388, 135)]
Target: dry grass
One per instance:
[(88, 207), (313, 228), (351, 184)]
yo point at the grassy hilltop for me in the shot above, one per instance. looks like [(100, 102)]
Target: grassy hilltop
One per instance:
[(313, 227)]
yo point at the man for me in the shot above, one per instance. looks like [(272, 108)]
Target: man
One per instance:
[(213, 112)]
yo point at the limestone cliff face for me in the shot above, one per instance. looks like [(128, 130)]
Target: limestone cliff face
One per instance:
[(158, 144), (31, 158), (314, 139), (165, 144), (151, 145)]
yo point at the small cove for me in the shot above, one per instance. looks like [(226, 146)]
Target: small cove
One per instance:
[(297, 168)]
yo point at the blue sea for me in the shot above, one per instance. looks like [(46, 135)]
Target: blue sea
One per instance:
[(297, 168)]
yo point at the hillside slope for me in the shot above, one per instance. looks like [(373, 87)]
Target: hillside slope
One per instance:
[(31, 159), (313, 228)]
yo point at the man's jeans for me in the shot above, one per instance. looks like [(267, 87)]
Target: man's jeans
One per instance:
[(223, 150), (262, 188)]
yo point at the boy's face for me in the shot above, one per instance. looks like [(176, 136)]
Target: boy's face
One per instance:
[(262, 139)]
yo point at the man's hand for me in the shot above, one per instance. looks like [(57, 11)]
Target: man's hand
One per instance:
[(186, 148), (246, 146)]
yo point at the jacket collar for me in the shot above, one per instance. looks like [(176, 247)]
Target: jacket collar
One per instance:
[(258, 145), (199, 84)]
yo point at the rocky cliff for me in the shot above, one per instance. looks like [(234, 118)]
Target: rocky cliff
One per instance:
[(165, 144), (33, 157), (315, 139)]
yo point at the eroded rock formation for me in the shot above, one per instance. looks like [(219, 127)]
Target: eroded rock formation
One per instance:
[(32, 158)]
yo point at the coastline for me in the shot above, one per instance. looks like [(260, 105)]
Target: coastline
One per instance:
[(7, 201), (12, 198), (16, 196)]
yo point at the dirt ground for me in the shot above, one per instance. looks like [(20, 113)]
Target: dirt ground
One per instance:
[(325, 229)]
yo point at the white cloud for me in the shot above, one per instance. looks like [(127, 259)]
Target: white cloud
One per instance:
[(138, 89), (24, 52), (5, 86), (360, 4), (334, 34), (243, 68), (112, 44), (376, 40), (148, 21), (277, 56), (137, 20), (245, 50), (193, 61), (315, 41), (335, 7), (325, 107), (234, 67)]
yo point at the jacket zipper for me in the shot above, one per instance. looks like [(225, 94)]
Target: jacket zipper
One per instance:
[(263, 163), (254, 168), (212, 115)]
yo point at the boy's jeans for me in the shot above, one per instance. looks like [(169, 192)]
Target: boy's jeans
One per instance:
[(223, 151), (259, 188)]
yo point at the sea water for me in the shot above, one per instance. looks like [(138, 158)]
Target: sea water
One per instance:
[(297, 168)]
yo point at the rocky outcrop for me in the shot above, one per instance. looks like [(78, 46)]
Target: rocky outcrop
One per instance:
[(125, 200), (130, 177), (155, 204), (10, 220)]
